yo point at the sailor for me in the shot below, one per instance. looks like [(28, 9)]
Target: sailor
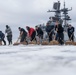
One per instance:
[(31, 33), (9, 34), (2, 36), (50, 31), (60, 34), (39, 33), (70, 31), (23, 34)]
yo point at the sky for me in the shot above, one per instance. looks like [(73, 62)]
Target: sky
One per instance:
[(22, 13), (29, 12)]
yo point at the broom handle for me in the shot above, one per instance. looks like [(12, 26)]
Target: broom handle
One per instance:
[(71, 36), (51, 31), (18, 39)]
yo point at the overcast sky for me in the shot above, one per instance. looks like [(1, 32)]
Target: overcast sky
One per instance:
[(17, 13)]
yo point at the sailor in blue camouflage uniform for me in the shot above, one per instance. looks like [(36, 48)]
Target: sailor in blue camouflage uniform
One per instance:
[(9, 34)]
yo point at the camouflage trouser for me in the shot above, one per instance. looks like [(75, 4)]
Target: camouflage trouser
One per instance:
[(71, 37), (61, 38), (9, 38), (33, 36), (4, 41), (23, 38)]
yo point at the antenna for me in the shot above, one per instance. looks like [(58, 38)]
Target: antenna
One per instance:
[(64, 4)]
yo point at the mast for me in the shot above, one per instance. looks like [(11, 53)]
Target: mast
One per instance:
[(66, 16), (56, 10), (61, 18)]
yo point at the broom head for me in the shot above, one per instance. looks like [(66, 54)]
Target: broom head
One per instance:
[(32, 42), (69, 43), (16, 43), (54, 42), (0, 42), (45, 43)]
